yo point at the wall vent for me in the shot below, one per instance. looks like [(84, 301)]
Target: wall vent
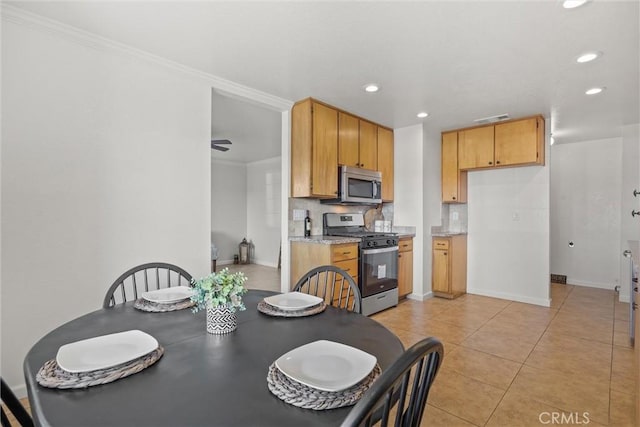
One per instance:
[(559, 278), (492, 119)]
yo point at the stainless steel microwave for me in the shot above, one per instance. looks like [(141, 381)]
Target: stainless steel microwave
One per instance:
[(357, 187)]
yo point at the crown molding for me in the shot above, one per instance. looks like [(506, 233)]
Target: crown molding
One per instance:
[(22, 17)]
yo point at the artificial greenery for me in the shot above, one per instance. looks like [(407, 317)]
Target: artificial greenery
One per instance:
[(221, 289)]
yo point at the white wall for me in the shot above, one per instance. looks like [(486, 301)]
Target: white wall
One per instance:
[(432, 202), (585, 209), (228, 207), (630, 181), (105, 165), (407, 197), (508, 240), (264, 199)]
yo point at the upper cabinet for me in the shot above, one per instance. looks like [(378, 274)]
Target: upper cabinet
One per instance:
[(520, 142), (314, 150), (475, 148), (385, 162), (323, 137), (517, 142), (454, 181), (357, 142), (513, 143)]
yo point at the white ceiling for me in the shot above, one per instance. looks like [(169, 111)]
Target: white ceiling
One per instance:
[(457, 60)]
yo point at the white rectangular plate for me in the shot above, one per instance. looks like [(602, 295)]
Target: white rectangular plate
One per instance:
[(326, 365), (105, 351), (168, 295), (293, 301)]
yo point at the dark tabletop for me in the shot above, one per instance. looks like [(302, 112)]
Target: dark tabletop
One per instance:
[(202, 379)]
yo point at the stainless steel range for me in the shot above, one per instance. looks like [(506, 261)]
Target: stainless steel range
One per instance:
[(377, 260)]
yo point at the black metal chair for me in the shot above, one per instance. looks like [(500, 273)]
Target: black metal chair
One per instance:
[(145, 277), (401, 389), (14, 406), (332, 284)]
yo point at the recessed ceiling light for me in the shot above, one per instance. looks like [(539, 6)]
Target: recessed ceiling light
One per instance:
[(588, 57), (594, 90), (572, 4), (371, 88), (422, 114)]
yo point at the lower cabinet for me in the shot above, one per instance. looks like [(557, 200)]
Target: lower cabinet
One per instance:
[(449, 267), (308, 255), (405, 266)]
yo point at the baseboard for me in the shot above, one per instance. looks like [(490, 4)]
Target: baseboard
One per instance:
[(418, 297), (20, 390), (544, 302), (265, 263), (586, 283), (224, 262)]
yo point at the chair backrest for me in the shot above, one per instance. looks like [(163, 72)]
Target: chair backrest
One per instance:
[(143, 278), (14, 406), (400, 393), (332, 284)]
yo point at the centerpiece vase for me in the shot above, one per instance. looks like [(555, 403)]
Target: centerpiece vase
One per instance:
[(221, 320)]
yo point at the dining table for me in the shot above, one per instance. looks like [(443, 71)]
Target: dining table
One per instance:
[(202, 379)]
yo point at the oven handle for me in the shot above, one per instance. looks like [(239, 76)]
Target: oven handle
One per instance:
[(379, 251)]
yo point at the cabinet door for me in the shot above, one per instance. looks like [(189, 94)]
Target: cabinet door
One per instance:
[(475, 148), (454, 182), (440, 282), (325, 151), (368, 146), (516, 142), (385, 162), (348, 140), (405, 273)]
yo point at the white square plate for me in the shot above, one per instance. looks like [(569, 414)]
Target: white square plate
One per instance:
[(293, 301), (168, 295), (326, 365), (105, 351)]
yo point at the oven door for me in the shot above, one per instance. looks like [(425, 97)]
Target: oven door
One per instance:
[(379, 270)]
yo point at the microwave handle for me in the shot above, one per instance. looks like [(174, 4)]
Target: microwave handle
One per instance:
[(375, 188)]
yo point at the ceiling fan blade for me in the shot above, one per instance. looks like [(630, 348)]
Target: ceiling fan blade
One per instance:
[(215, 147)]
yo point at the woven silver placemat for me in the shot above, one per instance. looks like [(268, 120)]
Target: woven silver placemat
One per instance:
[(303, 396), (53, 376), (154, 307), (268, 309)]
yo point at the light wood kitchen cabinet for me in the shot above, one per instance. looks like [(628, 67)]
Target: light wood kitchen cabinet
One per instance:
[(405, 266), (357, 142), (368, 145), (314, 150), (512, 143), (385, 162), (520, 142), (475, 148), (449, 266), (454, 181), (308, 255)]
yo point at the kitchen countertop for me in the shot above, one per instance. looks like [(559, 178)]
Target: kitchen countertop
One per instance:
[(325, 240), (448, 233)]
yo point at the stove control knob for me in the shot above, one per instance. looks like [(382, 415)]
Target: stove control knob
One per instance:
[(375, 243), (390, 242), (369, 243)]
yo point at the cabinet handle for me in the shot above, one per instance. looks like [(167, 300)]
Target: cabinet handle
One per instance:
[(444, 253), (453, 198), (498, 162), (490, 163), (346, 253), (399, 255)]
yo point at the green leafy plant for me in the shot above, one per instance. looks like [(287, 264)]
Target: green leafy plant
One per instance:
[(223, 289)]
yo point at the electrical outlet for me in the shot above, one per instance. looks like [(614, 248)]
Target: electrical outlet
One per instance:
[(454, 216), (299, 214)]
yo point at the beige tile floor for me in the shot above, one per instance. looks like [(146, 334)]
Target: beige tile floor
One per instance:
[(513, 364)]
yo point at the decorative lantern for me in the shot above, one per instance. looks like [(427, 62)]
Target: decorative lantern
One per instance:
[(243, 250)]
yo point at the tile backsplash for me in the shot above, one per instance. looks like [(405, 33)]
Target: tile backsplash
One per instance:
[(454, 218), (316, 209)]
